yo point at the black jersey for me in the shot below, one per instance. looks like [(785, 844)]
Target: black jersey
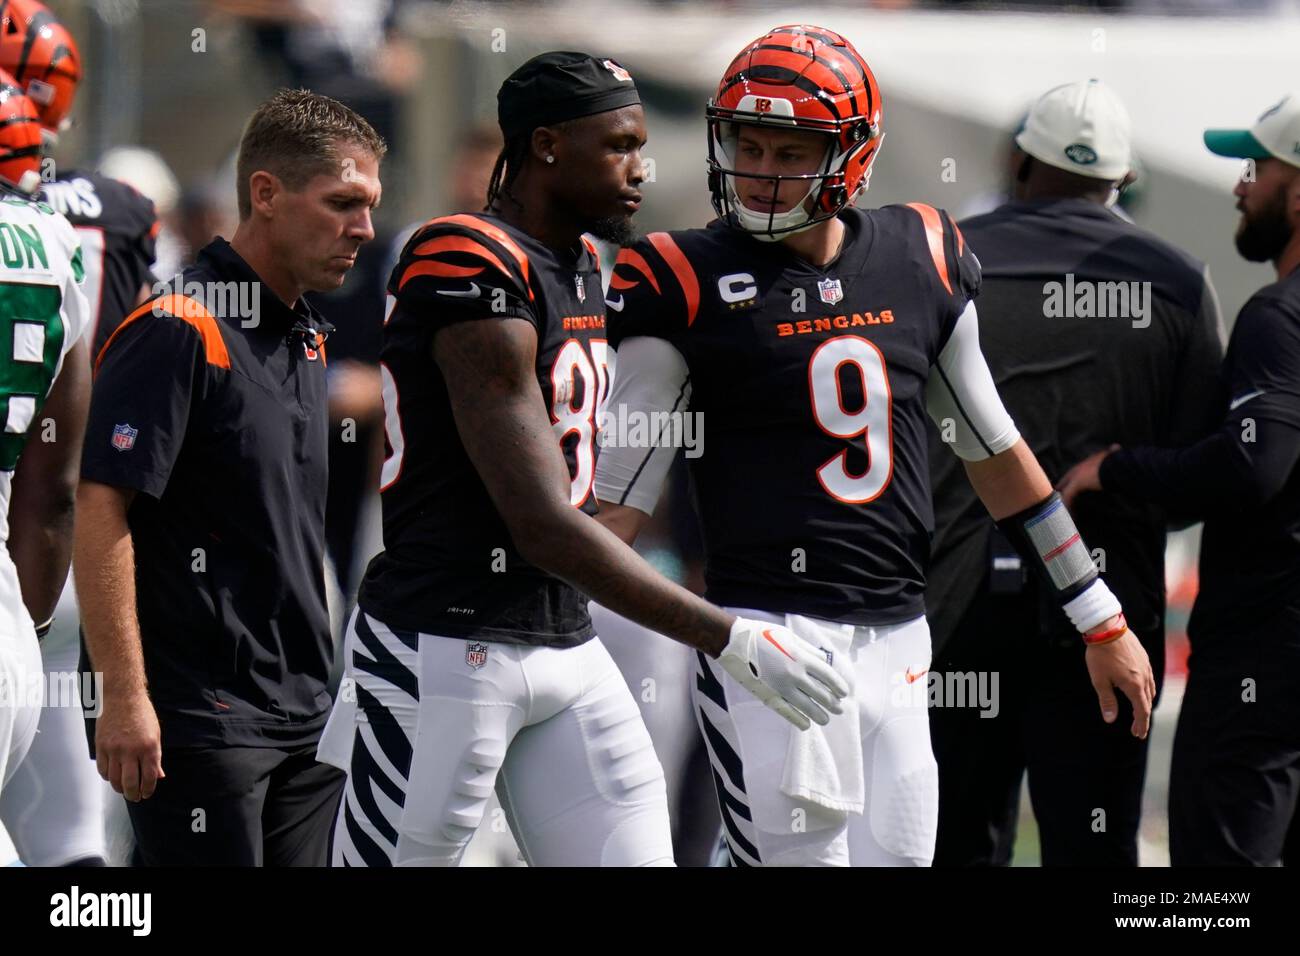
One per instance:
[(117, 227), (813, 487), (449, 566)]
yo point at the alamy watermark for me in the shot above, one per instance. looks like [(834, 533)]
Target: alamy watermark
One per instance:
[(232, 300), (1085, 299), (624, 427)]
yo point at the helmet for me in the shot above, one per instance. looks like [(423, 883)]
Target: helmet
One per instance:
[(802, 77), (40, 54), (20, 138)]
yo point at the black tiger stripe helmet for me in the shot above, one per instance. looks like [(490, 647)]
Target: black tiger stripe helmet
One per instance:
[(40, 54), (803, 77)]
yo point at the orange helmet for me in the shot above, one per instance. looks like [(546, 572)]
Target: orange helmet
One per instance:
[(20, 138), (40, 54), (802, 77)]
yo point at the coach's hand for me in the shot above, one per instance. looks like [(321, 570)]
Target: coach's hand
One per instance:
[(785, 672), (1085, 476), (128, 745), (1123, 663)]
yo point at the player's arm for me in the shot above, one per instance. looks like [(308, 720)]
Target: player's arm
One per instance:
[(45, 489), (651, 382), (961, 395), (489, 368)]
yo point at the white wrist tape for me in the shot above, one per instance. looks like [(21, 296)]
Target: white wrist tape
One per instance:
[(1092, 606)]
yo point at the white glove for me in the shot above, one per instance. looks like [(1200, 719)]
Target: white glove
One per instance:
[(784, 671)]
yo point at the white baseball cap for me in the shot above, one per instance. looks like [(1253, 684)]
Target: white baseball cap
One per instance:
[(1082, 128), (1276, 135)]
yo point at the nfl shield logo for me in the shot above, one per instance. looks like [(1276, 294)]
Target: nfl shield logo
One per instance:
[(581, 287), (475, 654), (830, 291), (620, 74), (124, 437)]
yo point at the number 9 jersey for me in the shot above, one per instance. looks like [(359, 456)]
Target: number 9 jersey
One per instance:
[(808, 389), (449, 566)]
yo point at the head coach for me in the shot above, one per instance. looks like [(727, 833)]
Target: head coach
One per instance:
[(199, 541), (1235, 776)]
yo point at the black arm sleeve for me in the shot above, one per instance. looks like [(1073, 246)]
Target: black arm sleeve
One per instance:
[(1249, 458)]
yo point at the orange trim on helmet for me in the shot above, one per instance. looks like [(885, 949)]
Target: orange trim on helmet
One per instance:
[(496, 234), (187, 310), (934, 238), (677, 261), (630, 257), (459, 244)]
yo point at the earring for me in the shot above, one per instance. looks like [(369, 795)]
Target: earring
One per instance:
[(550, 159)]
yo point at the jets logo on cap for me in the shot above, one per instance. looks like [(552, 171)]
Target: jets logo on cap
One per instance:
[(1081, 154)]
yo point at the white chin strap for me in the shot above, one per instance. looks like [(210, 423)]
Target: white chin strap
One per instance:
[(762, 225)]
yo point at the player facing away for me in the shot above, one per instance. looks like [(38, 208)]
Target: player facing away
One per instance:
[(471, 653), (54, 805), (44, 392), (812, 337)]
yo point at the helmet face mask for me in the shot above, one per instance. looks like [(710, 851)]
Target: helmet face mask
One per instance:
[(796, 78)]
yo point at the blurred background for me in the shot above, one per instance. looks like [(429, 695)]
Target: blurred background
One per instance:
[(169, 84)]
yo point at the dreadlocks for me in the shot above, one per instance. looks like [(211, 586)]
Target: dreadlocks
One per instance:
[(509, 162)]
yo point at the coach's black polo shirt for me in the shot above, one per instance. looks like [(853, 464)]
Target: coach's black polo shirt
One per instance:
[(222, 430)]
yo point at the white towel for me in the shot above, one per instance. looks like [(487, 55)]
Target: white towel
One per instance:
[(823, 765)]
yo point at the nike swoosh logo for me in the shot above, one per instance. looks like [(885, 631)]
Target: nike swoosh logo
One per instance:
[(911, 678), (616, 306), (1243, 399), (768, 635), (471, 293)]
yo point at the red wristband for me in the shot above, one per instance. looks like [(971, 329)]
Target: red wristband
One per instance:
[(1105, 637)]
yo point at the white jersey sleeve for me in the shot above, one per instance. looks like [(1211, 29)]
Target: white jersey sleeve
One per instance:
[(962, 399), (651, 383)]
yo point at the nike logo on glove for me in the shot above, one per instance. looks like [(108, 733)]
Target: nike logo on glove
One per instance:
[(616, 306), (471, 293), (1243, 399)]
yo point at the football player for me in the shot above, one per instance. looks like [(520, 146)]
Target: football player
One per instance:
[(471, 655), (44, 389), (53, 808), (811, 338)]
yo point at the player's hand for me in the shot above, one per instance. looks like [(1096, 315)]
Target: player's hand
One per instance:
[(784, 671), (1085, 476), (1123, 664), (128, 746)]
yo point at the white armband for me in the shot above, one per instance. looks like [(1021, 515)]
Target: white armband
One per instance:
[(652, 389)]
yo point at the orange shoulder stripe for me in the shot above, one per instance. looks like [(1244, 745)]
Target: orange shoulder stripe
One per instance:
[(432, 267), (459, 244), (187, 310), (497, 234), (677, 261), (634, 259), (961, 240), (934, 237)]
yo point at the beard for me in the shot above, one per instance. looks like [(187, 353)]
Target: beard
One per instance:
[(1261, 238), (614, 229)]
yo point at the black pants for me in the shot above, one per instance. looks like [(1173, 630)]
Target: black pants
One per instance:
[(1235, 777), (238, 806), (1085, 776)]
